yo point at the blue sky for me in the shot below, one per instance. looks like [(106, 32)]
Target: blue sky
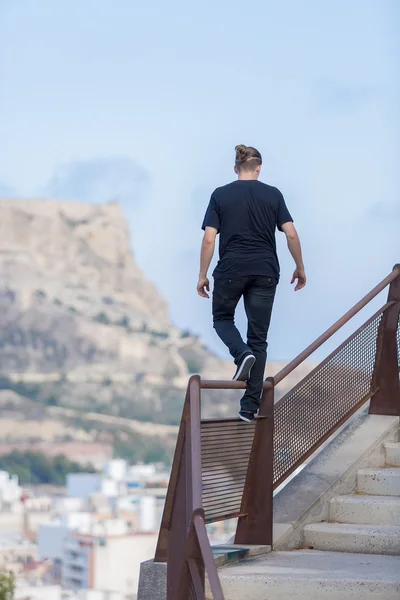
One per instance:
[(104, 99)]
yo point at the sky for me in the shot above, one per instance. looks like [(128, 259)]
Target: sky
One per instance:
[(145, 102)]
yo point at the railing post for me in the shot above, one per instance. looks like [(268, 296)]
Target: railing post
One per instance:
[(177, 574), (385, 379), (256, 527), (194, 559), (175, 481)]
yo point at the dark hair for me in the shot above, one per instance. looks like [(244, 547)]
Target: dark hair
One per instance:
[(247, 158)]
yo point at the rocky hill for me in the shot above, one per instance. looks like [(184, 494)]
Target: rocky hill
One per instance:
[(83, 330), (77, 312)]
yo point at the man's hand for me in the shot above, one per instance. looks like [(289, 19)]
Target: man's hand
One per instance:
[(203, 285), (294, 246), (300, 276)]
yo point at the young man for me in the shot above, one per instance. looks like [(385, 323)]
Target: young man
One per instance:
[(246, 214)]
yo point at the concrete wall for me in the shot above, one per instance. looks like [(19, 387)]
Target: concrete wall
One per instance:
[(50, 540), (100, 595), (46, 592), (117, 564), (82, 485)]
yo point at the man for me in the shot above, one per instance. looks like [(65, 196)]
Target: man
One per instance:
[(246, 214)]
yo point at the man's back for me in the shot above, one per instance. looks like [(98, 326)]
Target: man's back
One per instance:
[(246, 213)]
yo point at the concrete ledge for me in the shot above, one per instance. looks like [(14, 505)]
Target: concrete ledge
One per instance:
[(153, 576), (305, 499), (312, 575), (229, 553), (152, 581)]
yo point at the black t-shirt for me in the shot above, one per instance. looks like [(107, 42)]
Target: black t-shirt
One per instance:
[(246, 214)]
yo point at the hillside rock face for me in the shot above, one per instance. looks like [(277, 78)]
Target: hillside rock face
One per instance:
[(80, 325), (75, 252)]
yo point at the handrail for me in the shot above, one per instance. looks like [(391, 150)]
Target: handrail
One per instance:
[(216, 384), (195, 442), (183, 541), (210, 384), (336, 326)]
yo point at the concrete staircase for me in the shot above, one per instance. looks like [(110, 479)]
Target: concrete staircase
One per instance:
[(368, 521), (356, 554)]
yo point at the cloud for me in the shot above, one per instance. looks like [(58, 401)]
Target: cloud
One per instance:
[(339, 96), (385, 212), (99, 180), (6, 191)]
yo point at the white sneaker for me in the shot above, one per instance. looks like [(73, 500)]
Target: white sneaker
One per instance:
[(244, 368)]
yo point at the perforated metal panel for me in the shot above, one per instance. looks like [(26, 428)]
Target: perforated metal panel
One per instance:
[(225, 446), (322, 400), (192, 592), (398, 343)]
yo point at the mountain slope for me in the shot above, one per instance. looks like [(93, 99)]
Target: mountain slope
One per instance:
[(80, 324), (86, 338)]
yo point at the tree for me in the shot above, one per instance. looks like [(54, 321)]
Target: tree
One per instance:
[(102, 318), (123, 322), (34, 467), (7, 586)]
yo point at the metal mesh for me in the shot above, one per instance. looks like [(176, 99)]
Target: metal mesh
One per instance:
[(398, 343), (192, 592), (320, 402), (225, 448)]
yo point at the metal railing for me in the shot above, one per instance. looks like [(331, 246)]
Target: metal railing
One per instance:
[(225, 469)]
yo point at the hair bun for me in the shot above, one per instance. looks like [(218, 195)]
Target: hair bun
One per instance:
[(241, 153)]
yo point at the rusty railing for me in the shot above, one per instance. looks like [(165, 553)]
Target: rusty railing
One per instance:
[(224, 469)]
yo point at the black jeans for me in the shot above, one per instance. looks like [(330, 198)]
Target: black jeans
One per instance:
[(258, 295)]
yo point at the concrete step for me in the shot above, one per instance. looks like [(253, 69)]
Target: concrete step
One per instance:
[(305, 575), (379, 482), (228, 553), (365, 510), (392, 454), (366, 539)]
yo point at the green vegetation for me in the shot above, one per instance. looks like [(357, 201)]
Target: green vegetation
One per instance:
[(135, 448), (52, 393), (7, 586), (123, 322), (160, 334), (186, 333), (29, 390), (40, 294), (102, 318), (193, 364), (36, 467), (57, 302)]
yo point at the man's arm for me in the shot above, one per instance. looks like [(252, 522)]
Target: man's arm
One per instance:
[(293, 242), (207, 252)]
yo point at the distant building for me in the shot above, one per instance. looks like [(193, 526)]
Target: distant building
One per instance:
[(99, 595), (25, 591), (116, 469), (83, 485), (16, 553), (105, 562), (102, 530), (51, 536), (10, 490)]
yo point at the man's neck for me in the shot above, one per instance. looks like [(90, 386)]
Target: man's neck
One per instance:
[(247, 177)]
